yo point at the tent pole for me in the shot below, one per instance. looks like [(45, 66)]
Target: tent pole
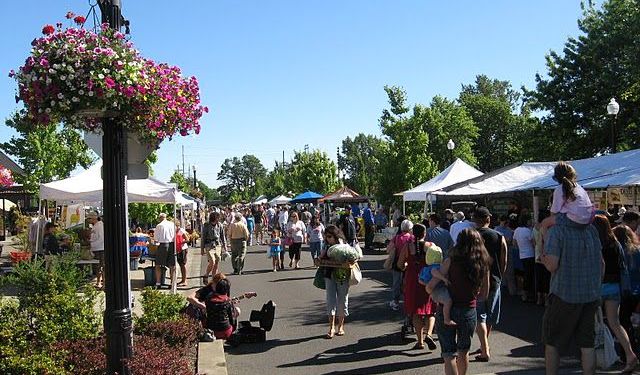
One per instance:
[(174, 287), (404, 207)]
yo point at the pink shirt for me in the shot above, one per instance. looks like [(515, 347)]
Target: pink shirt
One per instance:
[(579, 210)]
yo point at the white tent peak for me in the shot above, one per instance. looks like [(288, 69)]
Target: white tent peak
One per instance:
[(86, 186), (457, 172)]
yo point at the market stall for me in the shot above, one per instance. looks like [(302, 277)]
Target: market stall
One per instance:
[(280, 199)]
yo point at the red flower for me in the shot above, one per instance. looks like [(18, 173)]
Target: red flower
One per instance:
[(79, 20), (48, 30), (70, 15)]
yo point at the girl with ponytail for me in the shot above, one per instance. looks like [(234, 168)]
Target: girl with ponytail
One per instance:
[(570, 200)]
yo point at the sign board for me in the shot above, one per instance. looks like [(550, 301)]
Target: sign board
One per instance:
[(137, 152)]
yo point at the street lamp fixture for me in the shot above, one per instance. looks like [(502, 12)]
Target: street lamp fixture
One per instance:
[(612, 110), (451, 145)]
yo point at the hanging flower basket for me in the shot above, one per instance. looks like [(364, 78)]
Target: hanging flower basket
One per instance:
[(78, 77), (6, 178)]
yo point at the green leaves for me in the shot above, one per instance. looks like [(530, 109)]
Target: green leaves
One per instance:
[(45, 153), (599, 64), (242, 177)]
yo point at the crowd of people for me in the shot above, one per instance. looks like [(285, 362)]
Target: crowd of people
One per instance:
[(449, 272)]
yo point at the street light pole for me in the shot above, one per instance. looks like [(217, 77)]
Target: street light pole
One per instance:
[(450, 146), (117, 315), (195, 188), (612, 109)]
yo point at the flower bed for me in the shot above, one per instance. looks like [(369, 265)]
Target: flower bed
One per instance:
[(76, 76)]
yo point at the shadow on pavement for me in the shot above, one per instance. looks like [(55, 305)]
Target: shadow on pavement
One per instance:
[(252, 348), (291, 279)]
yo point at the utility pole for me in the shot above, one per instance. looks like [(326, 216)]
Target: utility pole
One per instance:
[(117, 315), (306, 148), (282, 159), (183, 175)]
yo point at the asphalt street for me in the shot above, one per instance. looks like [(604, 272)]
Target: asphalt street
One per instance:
[(372, 344)]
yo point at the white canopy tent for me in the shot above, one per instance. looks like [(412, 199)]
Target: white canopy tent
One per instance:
[(260, 200), (457, 172), (87, 187), (186, 201), (281, 199), (616, 170)]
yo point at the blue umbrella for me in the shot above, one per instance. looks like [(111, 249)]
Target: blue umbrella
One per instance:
[(307, 197)]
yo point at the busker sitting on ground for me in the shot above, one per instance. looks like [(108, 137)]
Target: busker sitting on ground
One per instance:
[(220, 313)]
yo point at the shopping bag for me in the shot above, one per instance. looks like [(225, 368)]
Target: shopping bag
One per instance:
[(356, 275), (318, 280), (606, 355), (391, 256), (359, 250)]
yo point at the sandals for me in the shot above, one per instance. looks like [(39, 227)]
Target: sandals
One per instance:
[(480, 358), (330, 334), (630, 366), (418, 346), (340, 333)]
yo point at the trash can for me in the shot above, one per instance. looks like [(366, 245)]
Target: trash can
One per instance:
[(150, 276)]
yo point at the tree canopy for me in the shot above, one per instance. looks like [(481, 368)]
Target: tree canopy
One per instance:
[(46, 153), (594, 67)]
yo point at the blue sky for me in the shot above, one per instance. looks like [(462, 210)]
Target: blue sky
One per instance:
[(278, 75)]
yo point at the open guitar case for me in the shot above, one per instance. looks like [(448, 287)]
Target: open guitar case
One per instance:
[(246, 333)]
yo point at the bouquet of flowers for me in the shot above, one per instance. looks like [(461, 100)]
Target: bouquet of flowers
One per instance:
[(78, 76), (342, 253)]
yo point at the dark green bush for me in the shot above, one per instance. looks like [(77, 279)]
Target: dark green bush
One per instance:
[(158, 307), (178, 334)]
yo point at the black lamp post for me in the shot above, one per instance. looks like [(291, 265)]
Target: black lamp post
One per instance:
[(612, 109), (117, 315)]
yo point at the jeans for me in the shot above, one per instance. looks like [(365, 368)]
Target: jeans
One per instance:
[(456, 339), (337, 297), (369, 230), (238, 253), (396, 287), (315, 248)]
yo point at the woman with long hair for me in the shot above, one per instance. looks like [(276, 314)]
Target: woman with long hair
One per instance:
[(467, 269), (611, 286), (417, 304)]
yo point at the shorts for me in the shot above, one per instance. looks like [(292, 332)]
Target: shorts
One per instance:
[(489, 309), (456, 339), (181, 257), (165, 256), (610, 292), (441, 294), (213, 252), (99, 256), (563, 321)]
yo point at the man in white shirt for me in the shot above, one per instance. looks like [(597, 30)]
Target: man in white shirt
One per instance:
[(165, 235), (283, 218), (459, 226), (97, 245)]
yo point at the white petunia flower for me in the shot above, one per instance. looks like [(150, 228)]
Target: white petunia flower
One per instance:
[(101, 76), (60, 96)]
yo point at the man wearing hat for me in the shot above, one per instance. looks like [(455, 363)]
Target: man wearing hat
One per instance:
[(489, 310), (165, 235), (631, 219), (97, 245)]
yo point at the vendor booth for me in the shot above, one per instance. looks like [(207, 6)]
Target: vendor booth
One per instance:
[(307, 197), (86, 188), (457, 172), (280, 199), (603, 176)]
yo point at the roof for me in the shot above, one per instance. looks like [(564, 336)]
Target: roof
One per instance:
[(344, 195), (87, 187), (457, 172), (306, 197), (10, 164), (614, 170)]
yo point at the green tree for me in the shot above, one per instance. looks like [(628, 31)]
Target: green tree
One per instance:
[(276, 182), (504, 125), (312, 170), (147, 213), (599, 64), (361, 158), (45, 153), (417, 141), (242, 177)]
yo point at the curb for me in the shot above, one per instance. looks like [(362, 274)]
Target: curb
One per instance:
[(211, 359)]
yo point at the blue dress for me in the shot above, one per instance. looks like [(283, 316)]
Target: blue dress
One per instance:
[(275, 249)]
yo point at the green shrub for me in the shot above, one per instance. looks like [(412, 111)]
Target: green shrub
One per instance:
[(178, 334), (158, 307)]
